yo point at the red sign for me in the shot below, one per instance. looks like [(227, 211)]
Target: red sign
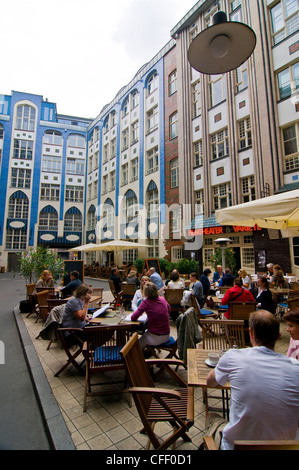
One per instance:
[(220, 230)]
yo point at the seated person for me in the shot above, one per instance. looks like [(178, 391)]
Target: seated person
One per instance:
[(157, 310), (218, 274), (155, 278), (175, 282), (204, 279), (274, 379), (264, 296), (45, 280), (245, 278), (278, 277), (139, 294), (292, 319), (75, 282), (132, 278), (227, 278), (76, 309), (197, 289), (237, 294), (116, 279)]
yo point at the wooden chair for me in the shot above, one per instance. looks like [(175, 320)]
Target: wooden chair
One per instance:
[(174, 297), (51, 291), (157, 404), (30, 288), (171, 348), (221, 335), (209, 444), (102, 352), (295, 285), (241, 311), (72, 344), (117, 300), (128, 291), (202, 313), (42, 308), (54, 302)]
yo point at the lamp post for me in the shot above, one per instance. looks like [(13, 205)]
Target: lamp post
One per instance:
[(222, 47), (222, 242)]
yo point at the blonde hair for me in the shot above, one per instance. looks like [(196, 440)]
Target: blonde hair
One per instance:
[(144, 278), (242, 272), (44, 273)]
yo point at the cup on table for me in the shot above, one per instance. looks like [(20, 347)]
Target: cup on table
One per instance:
[(213, 358)]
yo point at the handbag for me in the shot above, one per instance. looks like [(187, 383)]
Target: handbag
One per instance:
[(238, 295), (210, 303)]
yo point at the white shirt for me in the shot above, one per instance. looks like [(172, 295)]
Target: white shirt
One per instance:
[(264, 395)]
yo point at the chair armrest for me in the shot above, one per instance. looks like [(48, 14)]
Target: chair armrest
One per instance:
[(156, 361), (209, 443), (161, 392), (70, 329)]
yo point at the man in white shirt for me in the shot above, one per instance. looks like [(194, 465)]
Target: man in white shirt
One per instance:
[(264, 386)]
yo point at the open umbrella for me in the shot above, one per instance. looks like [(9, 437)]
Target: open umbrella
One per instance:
[(116, 246), (87, 247), (280, 212)]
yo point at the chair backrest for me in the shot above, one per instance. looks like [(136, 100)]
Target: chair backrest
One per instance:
[(241, 310), (137, 372), (293, 303), (128, 289), (98, 291), (295, 285), (266, 445), (54, 302), (222, 334), (30, 288), (174, 296), (195, 305), (51, 291), (42, 297), (112, 287), (103, 345)]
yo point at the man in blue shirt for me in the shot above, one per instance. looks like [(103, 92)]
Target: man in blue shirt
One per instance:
[(75, 282), (155, 278)]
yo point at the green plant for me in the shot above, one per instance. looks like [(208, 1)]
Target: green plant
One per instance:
[(31, 264), (229, 256), (138, 263), (187, 266)]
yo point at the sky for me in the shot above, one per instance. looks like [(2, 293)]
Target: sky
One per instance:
[(79, 54)]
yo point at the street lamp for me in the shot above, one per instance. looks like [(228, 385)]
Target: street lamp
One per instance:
[(222, 47), (222, 242)]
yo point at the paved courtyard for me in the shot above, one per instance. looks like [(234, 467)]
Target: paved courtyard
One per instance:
[(109, 422)]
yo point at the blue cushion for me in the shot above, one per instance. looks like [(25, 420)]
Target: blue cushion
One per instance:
[(107, 354), (203, 311), (168, 344)]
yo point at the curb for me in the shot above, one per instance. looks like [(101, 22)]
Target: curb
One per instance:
[(57, 430)]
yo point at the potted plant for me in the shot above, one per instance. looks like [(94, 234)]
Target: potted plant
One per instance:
[(31, 264)]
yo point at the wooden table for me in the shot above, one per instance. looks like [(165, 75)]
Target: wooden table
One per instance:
[(197, 376), (280, 291)]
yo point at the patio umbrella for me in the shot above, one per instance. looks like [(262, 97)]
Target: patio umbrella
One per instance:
[(280, 212), (116, 246), (83, 247)]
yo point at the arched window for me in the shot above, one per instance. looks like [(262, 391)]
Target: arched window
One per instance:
[(76, 140), (152, 199), (18, 206), (152, 83), (91, 218), (53, 137), (73, 220), (25, 117), (108, 213), (48, 219), (130, 206)]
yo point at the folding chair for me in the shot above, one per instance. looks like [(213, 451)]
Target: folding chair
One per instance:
[(209, 444), (102, 352), (174, 297), (70, 338), (242, 311), (42, 308), (201, 312), (157, 404), (128, 291)]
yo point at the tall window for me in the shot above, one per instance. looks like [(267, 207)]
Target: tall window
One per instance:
[(288, 81), (248, 189), (124, 174), (125, 139), (290, 147), (23, 149), (73, 220), (172, 82), (135, 132), (152, 119), (134, 99), (25, 118), (131, 208), (74, 193), (152, 201), (16, 239), (174, 173), (241, 77), (134, 169), (197, 149), (245, 133), (20, 178), (196, 99), (217, 85), (173, 126), (285, 19), (91, 218), (219, 143), (152, 160), (199, 201), (221, 196), (152, 83), (48, 219), (18, 206)]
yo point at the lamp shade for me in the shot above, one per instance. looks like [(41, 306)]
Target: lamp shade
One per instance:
[(222, 47)]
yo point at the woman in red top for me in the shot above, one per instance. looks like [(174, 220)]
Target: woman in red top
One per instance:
[(237, 293)]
